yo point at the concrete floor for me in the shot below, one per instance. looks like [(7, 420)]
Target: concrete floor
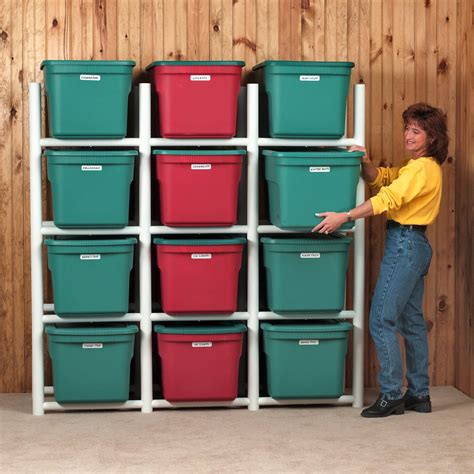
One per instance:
[(297, 439)]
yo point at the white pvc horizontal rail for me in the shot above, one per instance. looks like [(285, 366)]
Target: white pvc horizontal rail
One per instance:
[(145, 230)]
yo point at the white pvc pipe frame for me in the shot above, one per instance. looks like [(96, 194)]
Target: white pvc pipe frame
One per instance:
[(144, 231)]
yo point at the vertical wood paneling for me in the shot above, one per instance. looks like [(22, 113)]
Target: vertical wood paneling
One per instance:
[(375, 226), (404, 50), (284, 29), (295, 29), (238, 30), (105, 29), (169, 29), (398, 82), (262, 18), (307, 31), (28, 75), (432, 95), (180, 31), (420, 52), (464, 334), (273, 31), (250, 34), (18, 208), (226, 29), (342, 28), (319, 30), (444, 276), (8, 376), (330, 32), (215, 29)]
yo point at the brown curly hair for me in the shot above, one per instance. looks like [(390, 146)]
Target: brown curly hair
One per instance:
[(433, 121)]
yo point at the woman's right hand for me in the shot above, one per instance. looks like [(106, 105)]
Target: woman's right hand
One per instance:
[(365, 158)]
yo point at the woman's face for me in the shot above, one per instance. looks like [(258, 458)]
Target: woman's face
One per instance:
[(416, 139)]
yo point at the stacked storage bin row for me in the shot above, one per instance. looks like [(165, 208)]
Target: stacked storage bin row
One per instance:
[(90, 190), (306, 273)]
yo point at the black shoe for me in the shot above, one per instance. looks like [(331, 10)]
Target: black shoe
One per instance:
[(384, 407), (419, 404)]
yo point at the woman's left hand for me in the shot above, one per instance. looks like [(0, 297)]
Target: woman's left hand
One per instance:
[(332, 221)]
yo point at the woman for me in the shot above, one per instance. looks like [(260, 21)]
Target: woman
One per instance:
[(410, 195)]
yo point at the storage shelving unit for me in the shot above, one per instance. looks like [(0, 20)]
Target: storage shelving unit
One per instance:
[(41, 312)]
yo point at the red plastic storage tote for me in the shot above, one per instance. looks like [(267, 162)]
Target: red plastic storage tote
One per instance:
[(198, 187), (197, 98), (199, 276), (200, 363)]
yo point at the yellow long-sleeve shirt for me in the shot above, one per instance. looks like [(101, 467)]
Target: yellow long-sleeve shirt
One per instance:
[(410, 194)]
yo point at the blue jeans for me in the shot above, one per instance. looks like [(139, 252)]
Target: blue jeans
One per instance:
[(397, 307)]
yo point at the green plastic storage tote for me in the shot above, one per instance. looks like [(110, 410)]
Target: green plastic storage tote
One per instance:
[(302, 184), (90, 277), (91, 364), (305, 98), (305, 274), (90, 189), (87, 99), (305, 359)]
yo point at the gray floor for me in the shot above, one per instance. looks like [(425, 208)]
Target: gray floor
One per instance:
[(299, 439)]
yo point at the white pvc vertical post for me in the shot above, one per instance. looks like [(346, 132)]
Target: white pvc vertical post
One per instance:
[(36, 250), (359, 260), (145, 248), (252, 245)]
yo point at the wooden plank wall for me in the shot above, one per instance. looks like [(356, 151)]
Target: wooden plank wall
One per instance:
[(405, 51), (464, 263)]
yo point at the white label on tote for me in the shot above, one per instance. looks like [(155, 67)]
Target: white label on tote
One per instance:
[(201, 166), (319, 169), (310, 255), (90, 256), (308, 342), (201, 256), (92, 345), (201, 77), (202, 344), (309, 78), (91, 167), (89, 77)]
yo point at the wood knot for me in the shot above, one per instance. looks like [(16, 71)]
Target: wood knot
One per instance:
[(443, 66), (389, 38), (447, 19), (429, 325), (13, 112), (427, 3), (4, 35), (442, 303), (385, 106), (55, 23), (216, 28), (179, 55), (249, 44), (450, 159), (376, 55)]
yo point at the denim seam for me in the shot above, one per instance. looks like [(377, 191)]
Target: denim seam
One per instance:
[(379, 312)]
